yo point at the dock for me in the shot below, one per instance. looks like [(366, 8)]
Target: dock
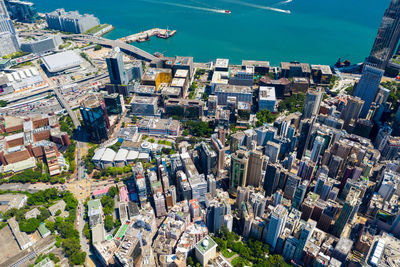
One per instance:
[(145, 35)]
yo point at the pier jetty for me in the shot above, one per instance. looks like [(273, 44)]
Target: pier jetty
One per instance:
[(145, 35)]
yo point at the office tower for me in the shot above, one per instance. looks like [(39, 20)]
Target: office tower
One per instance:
[(212, 185), (199, 187), (306, 230), (347, 210), (272, 151), (212, 104), (388, 36), (328, 215), (239, 163), (306, 169), (113, 104), (265, 134), (352, 110), (367, 87), (8, 43), (215, 217), (8, 38), (3, 8), (305, 128), (71, 21), (228, 222), (271, 178), (242, 196), (312, 103), (276, 225), (307, 207), (220, 150), (222, 136), (258, 203), (289, 248), (95, 119), (172, 192), (396, 123), (134, 70), (159, 204), (317, 147), (334, 166), (21, 10), (299, 195), (291, 185), (116, 67), (207, 158), (256, 159)]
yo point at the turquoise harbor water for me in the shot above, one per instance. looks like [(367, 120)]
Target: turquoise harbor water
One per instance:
[(316, 31)]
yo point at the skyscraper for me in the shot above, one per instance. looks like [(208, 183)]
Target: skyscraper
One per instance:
[(276, 224), (95, 119), (212, 185), (3, 8), (306, 230), (215, 217), (368, 86), (347, 210), (388, 36), (239, 163), (299, 195), (352, 110), (271, 179), (116, 68), (316, 151), (207, 158), (8, 37), (256, 159), (113, 104), (312, 103)]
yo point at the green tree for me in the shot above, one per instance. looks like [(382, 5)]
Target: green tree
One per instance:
[(108, 223), (29, 226), (108, 204), (113, 191), (3, 103)]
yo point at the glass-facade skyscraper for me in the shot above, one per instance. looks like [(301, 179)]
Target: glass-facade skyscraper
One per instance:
[(388, 36), (116, 68), (95, 119)]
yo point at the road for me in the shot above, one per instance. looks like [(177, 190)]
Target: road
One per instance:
[(127, 48), (66, 106)]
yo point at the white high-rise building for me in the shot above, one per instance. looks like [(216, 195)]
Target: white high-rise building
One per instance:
[(276, 224), (316, 151)]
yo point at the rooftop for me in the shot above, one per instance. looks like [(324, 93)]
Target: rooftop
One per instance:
[(62, 61), (267, 93), (205, 244)]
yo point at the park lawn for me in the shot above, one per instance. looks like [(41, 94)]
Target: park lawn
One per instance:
[(228, 254)]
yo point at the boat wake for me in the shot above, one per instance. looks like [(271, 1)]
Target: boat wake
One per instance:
[(283, 2), (262, 7), (221, 11)]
